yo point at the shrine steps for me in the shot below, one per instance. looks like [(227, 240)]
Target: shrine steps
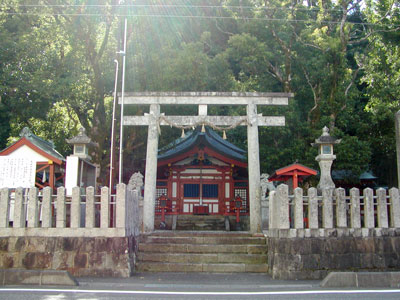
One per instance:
[(206, 251), (192, 222)]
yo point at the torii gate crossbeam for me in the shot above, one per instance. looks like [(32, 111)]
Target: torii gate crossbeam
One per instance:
[(154, 119)]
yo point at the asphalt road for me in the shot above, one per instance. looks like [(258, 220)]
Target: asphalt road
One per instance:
[(58, 294), (191, 286)]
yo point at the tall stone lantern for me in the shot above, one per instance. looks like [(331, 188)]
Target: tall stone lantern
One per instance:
[(81, 144), (80, 171), (325, 158)]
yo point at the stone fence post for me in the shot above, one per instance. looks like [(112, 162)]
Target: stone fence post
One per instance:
[(298, 208), (76, 208), (4, 207), (279, 208), (33, 208), (121, 206), (105, 207), (327, 208), (46, 207), (394, 208), (127, 210), (61, 209)]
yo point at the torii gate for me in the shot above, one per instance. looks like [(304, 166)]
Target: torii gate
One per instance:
[(154, 118)]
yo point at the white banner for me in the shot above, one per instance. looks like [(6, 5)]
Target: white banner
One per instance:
[(17, 172)]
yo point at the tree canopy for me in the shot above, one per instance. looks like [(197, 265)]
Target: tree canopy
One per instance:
[(340, 59)]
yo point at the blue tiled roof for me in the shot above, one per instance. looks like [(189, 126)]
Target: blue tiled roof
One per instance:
[(209, 138)]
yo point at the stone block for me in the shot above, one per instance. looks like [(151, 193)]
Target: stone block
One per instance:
[(43, 260), (367, 261), (300, 246), (120, 245), (317, 246), (392, 261), (293, 262), (62, 260), (292, 233), (97, 260), (378, 261), (284, 233), (28, 261), (256, 249), (330, 245), (36, 244), (67, 244), (357, 232), (373, 279), (17, 244), (385, 232), (57, 278), (185, 268), (224, 268), (7, 261), (281, 246), (81, 260), (16, 276), (311, 261), (366, 232), (331, 233), (256, 268), (314, 233), (346, 261), (342, 232), (4, 244), (395, 241), (365, 245), (207, 258), (300, 233), (340, 279)]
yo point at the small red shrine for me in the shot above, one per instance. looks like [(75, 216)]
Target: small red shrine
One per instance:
[(201, 173), (49, 163), (296, 172)]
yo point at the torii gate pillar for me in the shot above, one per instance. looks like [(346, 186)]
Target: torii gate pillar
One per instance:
[(154, 119), (254, 169), (151, 170)]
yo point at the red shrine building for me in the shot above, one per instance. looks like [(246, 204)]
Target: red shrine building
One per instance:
[(202, 174)]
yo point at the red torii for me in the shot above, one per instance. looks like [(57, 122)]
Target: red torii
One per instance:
[(295, 171)]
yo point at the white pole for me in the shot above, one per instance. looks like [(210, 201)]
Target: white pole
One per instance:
[(112, 124), (397, 120), (121, 134)]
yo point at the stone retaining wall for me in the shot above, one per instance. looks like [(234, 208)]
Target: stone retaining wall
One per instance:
[(81, 256), (314, 258)]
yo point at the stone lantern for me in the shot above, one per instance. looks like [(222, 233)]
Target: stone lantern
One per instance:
[(81, 144), (80, 172), (325, 158)]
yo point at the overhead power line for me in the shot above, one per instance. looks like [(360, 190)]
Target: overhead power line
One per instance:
[(189, 17), (290, 8), (172, 15)]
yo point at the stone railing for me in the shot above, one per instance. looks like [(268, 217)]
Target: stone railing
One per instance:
[(40, 213), (333, 214)]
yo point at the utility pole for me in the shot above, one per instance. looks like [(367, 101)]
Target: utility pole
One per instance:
[(121, 132), (397, 122), (113, 125)]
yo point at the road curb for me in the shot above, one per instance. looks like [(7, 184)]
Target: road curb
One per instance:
[(362, 279), (36, 277)]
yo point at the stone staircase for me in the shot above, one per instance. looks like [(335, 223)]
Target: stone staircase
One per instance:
[(202, 251), (192, 222)]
